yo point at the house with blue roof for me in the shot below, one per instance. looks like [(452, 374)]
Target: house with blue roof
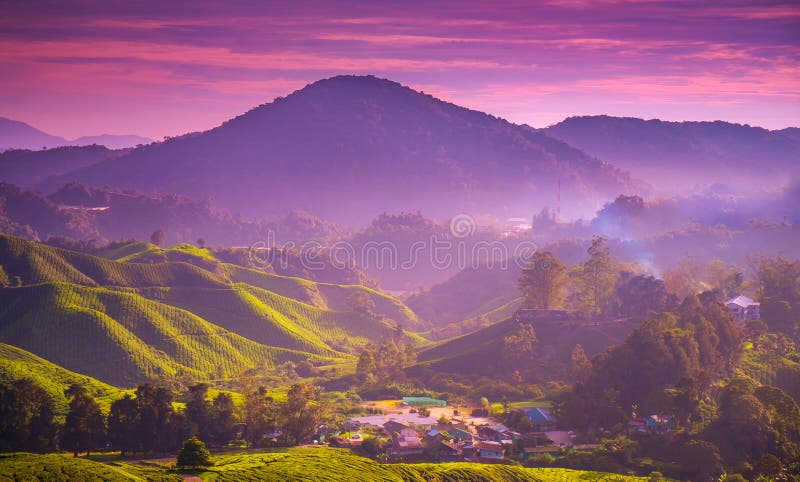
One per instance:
[(541, 417)]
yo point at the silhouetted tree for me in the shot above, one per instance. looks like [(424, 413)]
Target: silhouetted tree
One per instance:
[(198, 412), (223, 422), (85, 428), (122, 424), (26, 417)]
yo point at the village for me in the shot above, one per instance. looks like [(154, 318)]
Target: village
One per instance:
[(424, 429)]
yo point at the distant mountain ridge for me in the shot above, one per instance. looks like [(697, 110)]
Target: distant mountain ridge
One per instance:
[(20, 135), (347, 147), (678, 156)]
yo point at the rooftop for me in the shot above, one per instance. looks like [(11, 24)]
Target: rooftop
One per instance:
[(742, 301)]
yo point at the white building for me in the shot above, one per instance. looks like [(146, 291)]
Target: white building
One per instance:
[(743, 308)]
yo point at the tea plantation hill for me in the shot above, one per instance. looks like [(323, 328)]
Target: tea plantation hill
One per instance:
[(124, 322), (295, 464)]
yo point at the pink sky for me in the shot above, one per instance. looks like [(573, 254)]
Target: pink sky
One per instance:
[(161, 68)]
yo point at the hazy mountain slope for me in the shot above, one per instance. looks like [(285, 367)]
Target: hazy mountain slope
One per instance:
[(364, 142), (469, 293), (29, 168), (19, 135), (792, 132), (681, 155)]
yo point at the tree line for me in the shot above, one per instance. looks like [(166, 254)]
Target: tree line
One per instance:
[(150, 420)]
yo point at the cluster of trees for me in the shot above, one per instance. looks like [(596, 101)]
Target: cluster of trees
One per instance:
[(601, 286), (779, 292), (597, 287), (290, 422), (385, 361), (148, 420), (674, 364), (684, 352), (26, 417)]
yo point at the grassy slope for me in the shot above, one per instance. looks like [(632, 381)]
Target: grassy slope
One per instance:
[(339, 465), (133, 321), (298, 464), (16, 363), (467, 354), (38, 263), (124, 338), (58, 467)]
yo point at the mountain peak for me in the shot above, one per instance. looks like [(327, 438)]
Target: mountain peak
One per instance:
[(348, 147)]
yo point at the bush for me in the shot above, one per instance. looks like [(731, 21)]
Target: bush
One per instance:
[(194, 454)]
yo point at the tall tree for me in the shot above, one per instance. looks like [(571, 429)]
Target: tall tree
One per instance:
[(223, 421), (580, 365), (543, 281), (85, 429), (639, 296), (596, 277), (155, 429), (366, 363), (518, 346), (302, 412), (261, 413), (198, 412), (123, 419)]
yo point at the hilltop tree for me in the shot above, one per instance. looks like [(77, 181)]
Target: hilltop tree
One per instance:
[(596, 278), (158, 237), (85, 429), (638, 296), (543, 281)]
